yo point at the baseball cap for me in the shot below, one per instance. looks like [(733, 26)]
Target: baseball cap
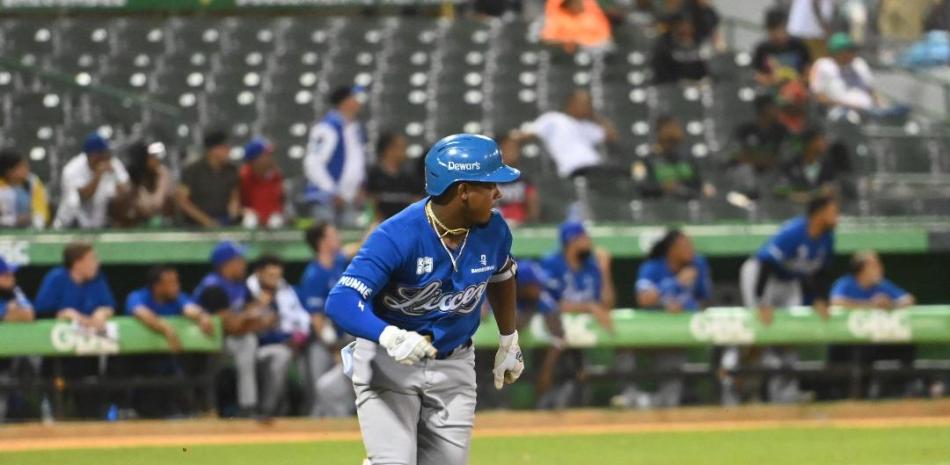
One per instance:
[(6, 267), (571, 230), (226, 251), (256, 147), (95, 143), (839, 42)]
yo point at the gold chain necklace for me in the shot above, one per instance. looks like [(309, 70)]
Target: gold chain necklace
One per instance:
[(434, 219)]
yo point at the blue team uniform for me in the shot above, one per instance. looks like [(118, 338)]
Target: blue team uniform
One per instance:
[(59, 291), (19, 297), (316, 282), (403, 273), (236, 291), (847, 287), (655, 274), (143, 297), (582, 285), (794, 254), (530, 273)]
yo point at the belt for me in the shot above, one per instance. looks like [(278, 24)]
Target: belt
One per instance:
[(454, 351)]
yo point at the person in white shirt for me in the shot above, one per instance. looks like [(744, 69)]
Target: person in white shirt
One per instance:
[(810, 20), (91, 184), (572, 136), (844, 81), (335, 165)]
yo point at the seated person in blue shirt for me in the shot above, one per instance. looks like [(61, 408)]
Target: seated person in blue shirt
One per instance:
[(330, 258), (14, 307), (77, 291), (866, 286), (581, 276), (224, 293), (536, 297), (674, 277), (162, 297)]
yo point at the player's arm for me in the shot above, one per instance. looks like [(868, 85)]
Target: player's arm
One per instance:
[(155, 323), (502, 292)]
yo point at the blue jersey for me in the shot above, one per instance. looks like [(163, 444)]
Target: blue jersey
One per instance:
[(655, 274), (235, 291), (794, 253), (530, 273), (58, 291), (581, 285), (405, 272), (16, 296), (143, 297), (316, 282), (847, 287)]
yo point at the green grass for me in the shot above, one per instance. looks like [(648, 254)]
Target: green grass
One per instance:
[(792, 446)]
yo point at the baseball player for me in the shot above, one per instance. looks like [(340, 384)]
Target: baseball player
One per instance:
[(412, 296), (789, 269)]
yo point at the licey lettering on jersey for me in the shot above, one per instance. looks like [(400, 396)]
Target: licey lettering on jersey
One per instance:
[(419, 301)]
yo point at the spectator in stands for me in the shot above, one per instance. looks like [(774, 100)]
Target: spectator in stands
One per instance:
[(700, 13), (790, 269), (668, 171), (813, 165), (152, 185), (277, 343), (335, 160), (865, 287), (674, 279), (581, 275), (162, 297), (14, 307), (224, 293), (536, 297), (208, 193), (780, 58), (573, 24), (810, 21), (329, 261), (262, 186), (793, 100), (92, 183), (759, 143), (844, 81), (392, 184), (573, 135), (77, 290), (23, 199), (151, 305), (520, 202), (678, 55)]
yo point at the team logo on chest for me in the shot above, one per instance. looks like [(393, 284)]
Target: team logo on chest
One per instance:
[(419, 301), (423, 265)]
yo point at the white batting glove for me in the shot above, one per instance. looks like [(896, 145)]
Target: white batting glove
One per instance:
[(509, 363), (406, 347)]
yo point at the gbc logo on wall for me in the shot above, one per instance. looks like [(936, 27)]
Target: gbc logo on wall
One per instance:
[(880, 325), (455, 166), (722, 327), (72, 338)]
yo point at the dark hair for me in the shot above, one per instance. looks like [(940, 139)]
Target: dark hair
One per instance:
[(9, 159), (215, 138), (314, 234), (775, 17), (385, 140), (818, 204), (339, 94), (139, 173), (268, 260), (75, 251), (503, 137), (155, 274), (762, 102), (859, 260), (662, 246)]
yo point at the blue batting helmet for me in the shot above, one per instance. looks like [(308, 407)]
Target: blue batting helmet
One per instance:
[(465, 157)]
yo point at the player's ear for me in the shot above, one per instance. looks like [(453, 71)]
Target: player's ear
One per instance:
[(463, 191)]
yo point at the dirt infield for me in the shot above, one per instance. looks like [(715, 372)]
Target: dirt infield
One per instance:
[(69, 435)]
